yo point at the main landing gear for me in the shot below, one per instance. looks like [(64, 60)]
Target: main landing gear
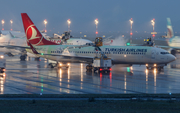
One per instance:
[(37, 58), (158, 68), (155, 66), (58, 65), (89, 68), (23, 57)]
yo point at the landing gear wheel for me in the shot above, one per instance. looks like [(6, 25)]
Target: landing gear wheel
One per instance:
[(23, 57), (2, 70), (37, 58), (50, 65), (160, 68), (150, 68), (89, 67)]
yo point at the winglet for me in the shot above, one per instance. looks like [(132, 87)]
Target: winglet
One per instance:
[(32, 48), (11, 34)]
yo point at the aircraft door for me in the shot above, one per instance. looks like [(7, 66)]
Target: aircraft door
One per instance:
[(153, 55)]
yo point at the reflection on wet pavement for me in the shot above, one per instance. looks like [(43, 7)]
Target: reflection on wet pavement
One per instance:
[(33, 77)]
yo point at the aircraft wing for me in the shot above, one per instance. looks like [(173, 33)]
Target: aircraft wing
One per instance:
[(73, 58), (68, 57), (14, 47), (169, 47)]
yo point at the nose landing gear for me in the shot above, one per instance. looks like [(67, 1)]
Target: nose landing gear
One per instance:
[(58, 65), (159, 68)]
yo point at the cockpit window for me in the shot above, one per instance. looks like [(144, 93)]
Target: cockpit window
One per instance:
[(164, 53)]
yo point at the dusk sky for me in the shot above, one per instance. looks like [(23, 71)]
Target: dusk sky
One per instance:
[(113, 15)]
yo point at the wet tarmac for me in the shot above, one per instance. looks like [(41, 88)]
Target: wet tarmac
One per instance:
[(34, 77)]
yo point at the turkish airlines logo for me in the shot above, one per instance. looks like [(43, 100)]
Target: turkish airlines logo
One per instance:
[(32, 36)]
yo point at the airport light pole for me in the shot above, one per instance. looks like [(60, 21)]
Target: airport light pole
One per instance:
[(96, 22), (69, 22), (45, 22), (131, 22), (153, 23), (3, 24), (11, 21)]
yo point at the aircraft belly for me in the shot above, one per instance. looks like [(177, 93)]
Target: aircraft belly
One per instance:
[(128, 59)]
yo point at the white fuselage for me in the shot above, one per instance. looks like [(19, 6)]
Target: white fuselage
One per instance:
[(174, 41), (118, 54), (72, 41)]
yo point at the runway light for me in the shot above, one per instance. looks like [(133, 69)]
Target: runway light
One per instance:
[(11, 21), (96, 22), (69, 22), (4, 74), (128, 44), (131, 68), (3, 24), (45, 22), (128, 69), (153, 23)]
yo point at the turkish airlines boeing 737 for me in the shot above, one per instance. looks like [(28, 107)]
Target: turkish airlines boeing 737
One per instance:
[(149, 56)]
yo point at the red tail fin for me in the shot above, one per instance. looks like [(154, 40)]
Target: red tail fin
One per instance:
[(32, 33)]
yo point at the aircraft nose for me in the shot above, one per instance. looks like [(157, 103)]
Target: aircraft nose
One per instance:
[(172, 57)]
